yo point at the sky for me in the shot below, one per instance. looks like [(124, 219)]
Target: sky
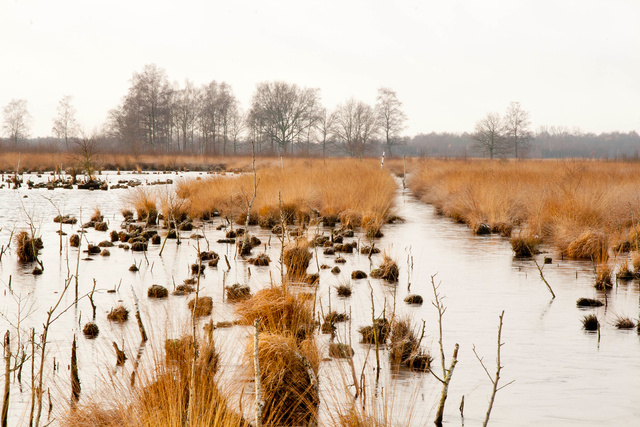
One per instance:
[(574, 64)]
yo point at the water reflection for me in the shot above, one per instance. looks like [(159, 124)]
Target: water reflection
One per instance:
[(562, 376)]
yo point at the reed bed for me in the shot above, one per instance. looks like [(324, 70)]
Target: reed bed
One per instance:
[(347, 189), (584, 208), (40, 161)]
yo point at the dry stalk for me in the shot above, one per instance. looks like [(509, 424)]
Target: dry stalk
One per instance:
[(499, 367), (192, 386), (543, 279), (375, 334), (446, 373), (245, 236), (256, 366), (7, 378)]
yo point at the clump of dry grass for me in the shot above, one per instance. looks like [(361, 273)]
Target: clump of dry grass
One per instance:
[(161, 396), (296, 258), (580, 207), (97, 215), (280, 312), (340, 351), (27, 247), (288, 376), (157, 291), (90, 330), (624, 323), (588, 302), (237, 292), (343, 290), (145, 203), (119, 314), (204, 307), (307, 187), (388, 270), (414, 299), (604, 274), (590, 322), (525, 246), (404, 347), (381, 332)]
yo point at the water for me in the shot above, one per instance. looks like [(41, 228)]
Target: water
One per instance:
[(562, 375)]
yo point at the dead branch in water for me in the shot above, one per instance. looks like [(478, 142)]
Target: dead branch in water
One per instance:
[(494, 380)]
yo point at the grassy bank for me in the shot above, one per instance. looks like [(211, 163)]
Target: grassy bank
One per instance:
[(584, 208), (39, 161), (357, 193)]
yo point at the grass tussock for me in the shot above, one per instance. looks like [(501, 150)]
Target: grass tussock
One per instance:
[(204, 306), (308, 188), (297, 258), (388, 270), (588, 302), (161, 397), (145, 203), (590, 322), (237, 292), (288, 375), (624, 323), (119, 314), (279, 312), (583, 208), (27, 247), (404, 347)]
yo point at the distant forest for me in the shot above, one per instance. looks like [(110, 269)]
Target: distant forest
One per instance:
[(157, 116), (615, 145)]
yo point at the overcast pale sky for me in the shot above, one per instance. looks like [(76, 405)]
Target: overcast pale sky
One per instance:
[(569, 63)]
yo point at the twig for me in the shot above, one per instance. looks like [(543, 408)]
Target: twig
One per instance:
[(499, 367)]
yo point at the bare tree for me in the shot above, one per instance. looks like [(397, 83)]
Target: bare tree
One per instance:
[(145, 115), (516, 128), (85, 153), (64, 124), (356, 127), (488, 138), (186, 111), (391, 118), (16, 120), (281, 111), (237, 125), (326, 128)]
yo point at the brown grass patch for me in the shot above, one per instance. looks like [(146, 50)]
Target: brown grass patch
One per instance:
[(346, 187), (27, 247), (118, 314), (581, 207), (204, 307), (279, 311), (288, 376), (388, 270)]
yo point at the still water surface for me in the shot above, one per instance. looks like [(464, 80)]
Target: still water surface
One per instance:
[(562, 375)]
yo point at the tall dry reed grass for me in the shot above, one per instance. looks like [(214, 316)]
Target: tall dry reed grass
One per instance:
[(40, 161), (582, 207), (348, 187)]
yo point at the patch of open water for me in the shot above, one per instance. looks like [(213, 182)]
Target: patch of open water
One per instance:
[(563, 375)]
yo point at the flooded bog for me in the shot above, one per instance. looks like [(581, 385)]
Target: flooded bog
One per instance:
[(562, 374)]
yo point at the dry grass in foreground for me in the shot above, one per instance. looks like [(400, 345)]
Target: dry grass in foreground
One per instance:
[(352, 191), (584, 208)]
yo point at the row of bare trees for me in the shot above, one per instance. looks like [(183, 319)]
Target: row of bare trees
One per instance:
[(497, 136), (158, 115)]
